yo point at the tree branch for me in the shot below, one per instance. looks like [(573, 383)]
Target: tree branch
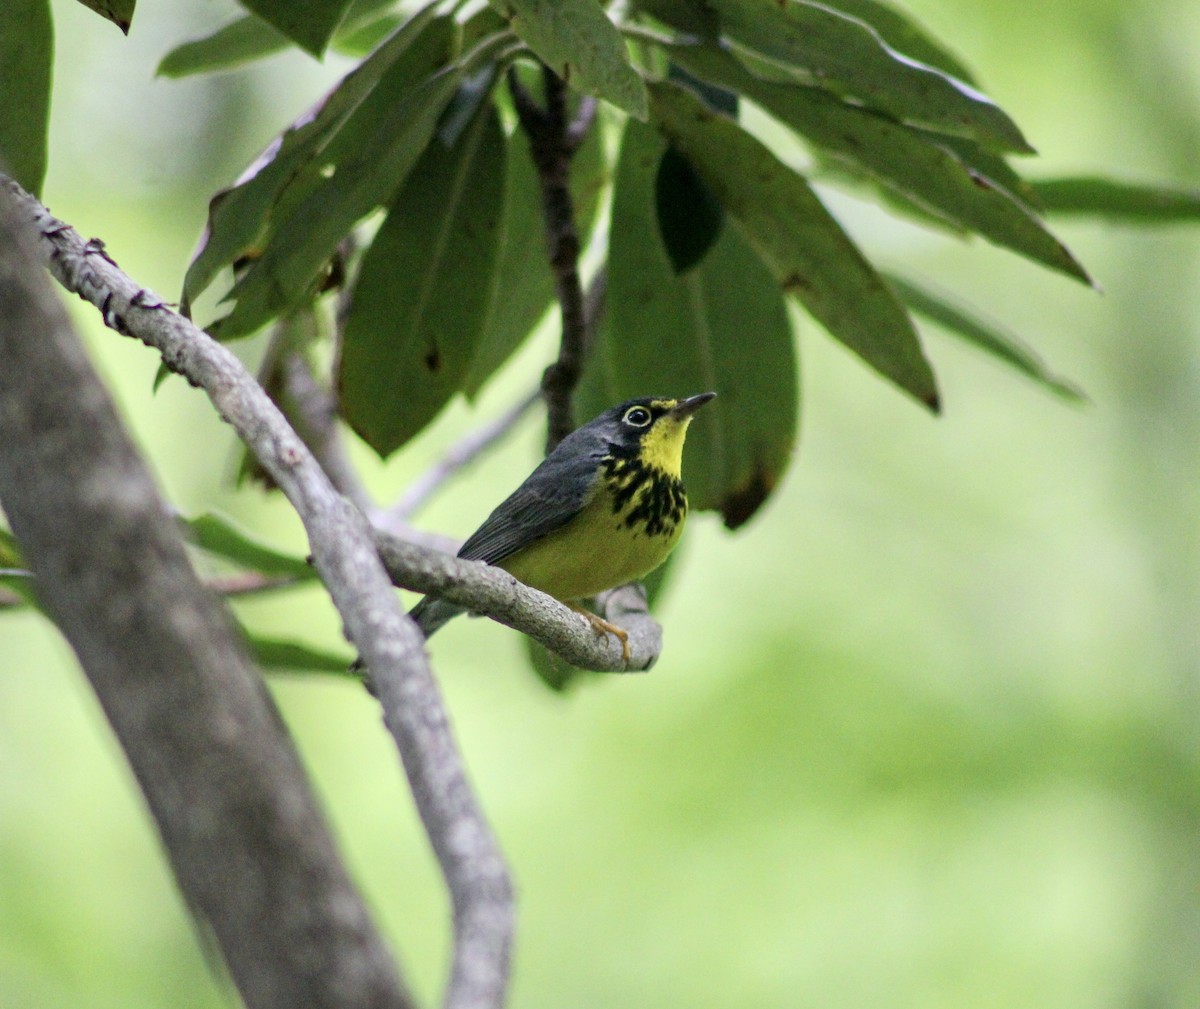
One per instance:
[(248, 846), (340, 540), (553, 140)]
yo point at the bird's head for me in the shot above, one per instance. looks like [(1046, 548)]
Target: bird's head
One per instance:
[(651, 429)]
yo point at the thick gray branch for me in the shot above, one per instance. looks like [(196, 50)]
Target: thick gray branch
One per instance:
[(340, 540), (248, 846)]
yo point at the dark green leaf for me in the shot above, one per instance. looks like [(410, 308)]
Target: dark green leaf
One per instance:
[(985, 335), (826, 49), (901, 33), (715, 97), (26, 58), (525, 286), (308, 23), (689, 216), (119, 12), (233, 44), (1116, 200), (20, 583), (361, 169), (277, 655), (809, 253), (221, 536), (10, 551), (240, 218), (922, 170), (578, 42), (722, 326), (424, 289)]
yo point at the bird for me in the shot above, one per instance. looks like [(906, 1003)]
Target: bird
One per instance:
[(605, 507)]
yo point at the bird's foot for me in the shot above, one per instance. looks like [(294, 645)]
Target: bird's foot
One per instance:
[(602, 626)]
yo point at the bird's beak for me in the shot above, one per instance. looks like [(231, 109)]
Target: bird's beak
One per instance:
[(686, 407)]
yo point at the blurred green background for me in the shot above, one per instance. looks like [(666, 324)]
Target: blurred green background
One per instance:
[(923, 735)]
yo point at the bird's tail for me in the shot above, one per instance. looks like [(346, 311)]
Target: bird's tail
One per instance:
[(430, 614)]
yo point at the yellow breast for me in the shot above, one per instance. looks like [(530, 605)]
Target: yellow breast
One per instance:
[(627, 530)]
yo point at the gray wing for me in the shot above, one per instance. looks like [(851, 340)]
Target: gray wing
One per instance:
[(551, 496)]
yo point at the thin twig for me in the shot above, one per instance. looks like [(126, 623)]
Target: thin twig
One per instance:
[(340, 539), (553, 140), (457, 457)]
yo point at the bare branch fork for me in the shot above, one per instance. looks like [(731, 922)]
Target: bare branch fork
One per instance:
[(340, 540), (553, 141)]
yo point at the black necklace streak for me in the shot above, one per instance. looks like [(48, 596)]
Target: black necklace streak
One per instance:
[(662, 503)]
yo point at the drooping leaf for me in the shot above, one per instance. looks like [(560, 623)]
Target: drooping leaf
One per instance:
[(239, 217), (722, 326), (308, 23), (902, 33), (119, 12), (26, 59), (578, 42), (986, 335), (827, 49), (232, 45), (689, 216), (281, 655), (921, 169), (524, 287), (1114, 199), (806, 249), (425, 287), (373, 153), (222, 536)]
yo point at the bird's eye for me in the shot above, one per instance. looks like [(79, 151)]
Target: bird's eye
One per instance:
[(638, 416)]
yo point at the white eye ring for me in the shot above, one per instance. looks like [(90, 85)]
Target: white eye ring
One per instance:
[(638, 416)]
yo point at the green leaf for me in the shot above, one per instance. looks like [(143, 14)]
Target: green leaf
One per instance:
[(899, 31), (10, 550), (232, 45), (985, 335), (524, 288), (689, 216), (241, 219), (578, 42), (424, 288), (809, 253), (308, 23), (119, 12), (721, 326), (1117, 200), (922, 170), (222, 536), (281, 655), (824, 48), (26, 59), (372, 156)]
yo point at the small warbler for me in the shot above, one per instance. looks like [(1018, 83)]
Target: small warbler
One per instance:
[(604, 508)]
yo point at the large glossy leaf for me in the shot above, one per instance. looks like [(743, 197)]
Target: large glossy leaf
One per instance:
[(987, 336), (720, 326), (119, 12), (239, 218), (926, 172), (807, 250), (372, 154), (524, 287), (425, 287), (1117, 200), (827, 49), (220, 535), (26, 58), (578, 42), (308, 23)]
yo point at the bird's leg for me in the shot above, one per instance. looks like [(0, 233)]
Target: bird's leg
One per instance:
[(602, 626)]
